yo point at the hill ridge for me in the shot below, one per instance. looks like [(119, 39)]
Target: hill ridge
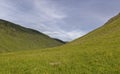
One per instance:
[(15, 37)]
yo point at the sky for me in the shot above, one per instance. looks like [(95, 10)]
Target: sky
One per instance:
[(62, 19)]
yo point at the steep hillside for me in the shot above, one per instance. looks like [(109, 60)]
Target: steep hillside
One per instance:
[(108, 32), (98, 52), (14, 37)]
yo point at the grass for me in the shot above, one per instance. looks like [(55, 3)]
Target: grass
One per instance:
[(98, 52), (14, 37)]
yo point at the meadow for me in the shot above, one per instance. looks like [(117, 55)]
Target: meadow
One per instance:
[(98, 52)]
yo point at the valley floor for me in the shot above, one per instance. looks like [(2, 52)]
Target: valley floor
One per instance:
[(62, 60)]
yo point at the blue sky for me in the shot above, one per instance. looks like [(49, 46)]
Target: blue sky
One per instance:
[(63, 19)]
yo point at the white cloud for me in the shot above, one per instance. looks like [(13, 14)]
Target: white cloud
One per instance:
[(75, 34), (43, 17), (64, 35), (49, 11)]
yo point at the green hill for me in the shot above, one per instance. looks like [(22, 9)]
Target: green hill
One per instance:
[(98, 52), (14, 37)]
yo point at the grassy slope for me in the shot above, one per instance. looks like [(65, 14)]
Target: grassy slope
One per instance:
[(95, 53), (14, 37)]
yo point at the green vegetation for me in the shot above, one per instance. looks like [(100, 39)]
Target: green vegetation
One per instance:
[(98, 52), (14, 37)]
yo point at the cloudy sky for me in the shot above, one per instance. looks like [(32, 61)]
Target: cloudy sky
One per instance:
[(63, 19)]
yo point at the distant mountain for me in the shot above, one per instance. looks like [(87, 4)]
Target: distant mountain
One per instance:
[(14, 37)]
